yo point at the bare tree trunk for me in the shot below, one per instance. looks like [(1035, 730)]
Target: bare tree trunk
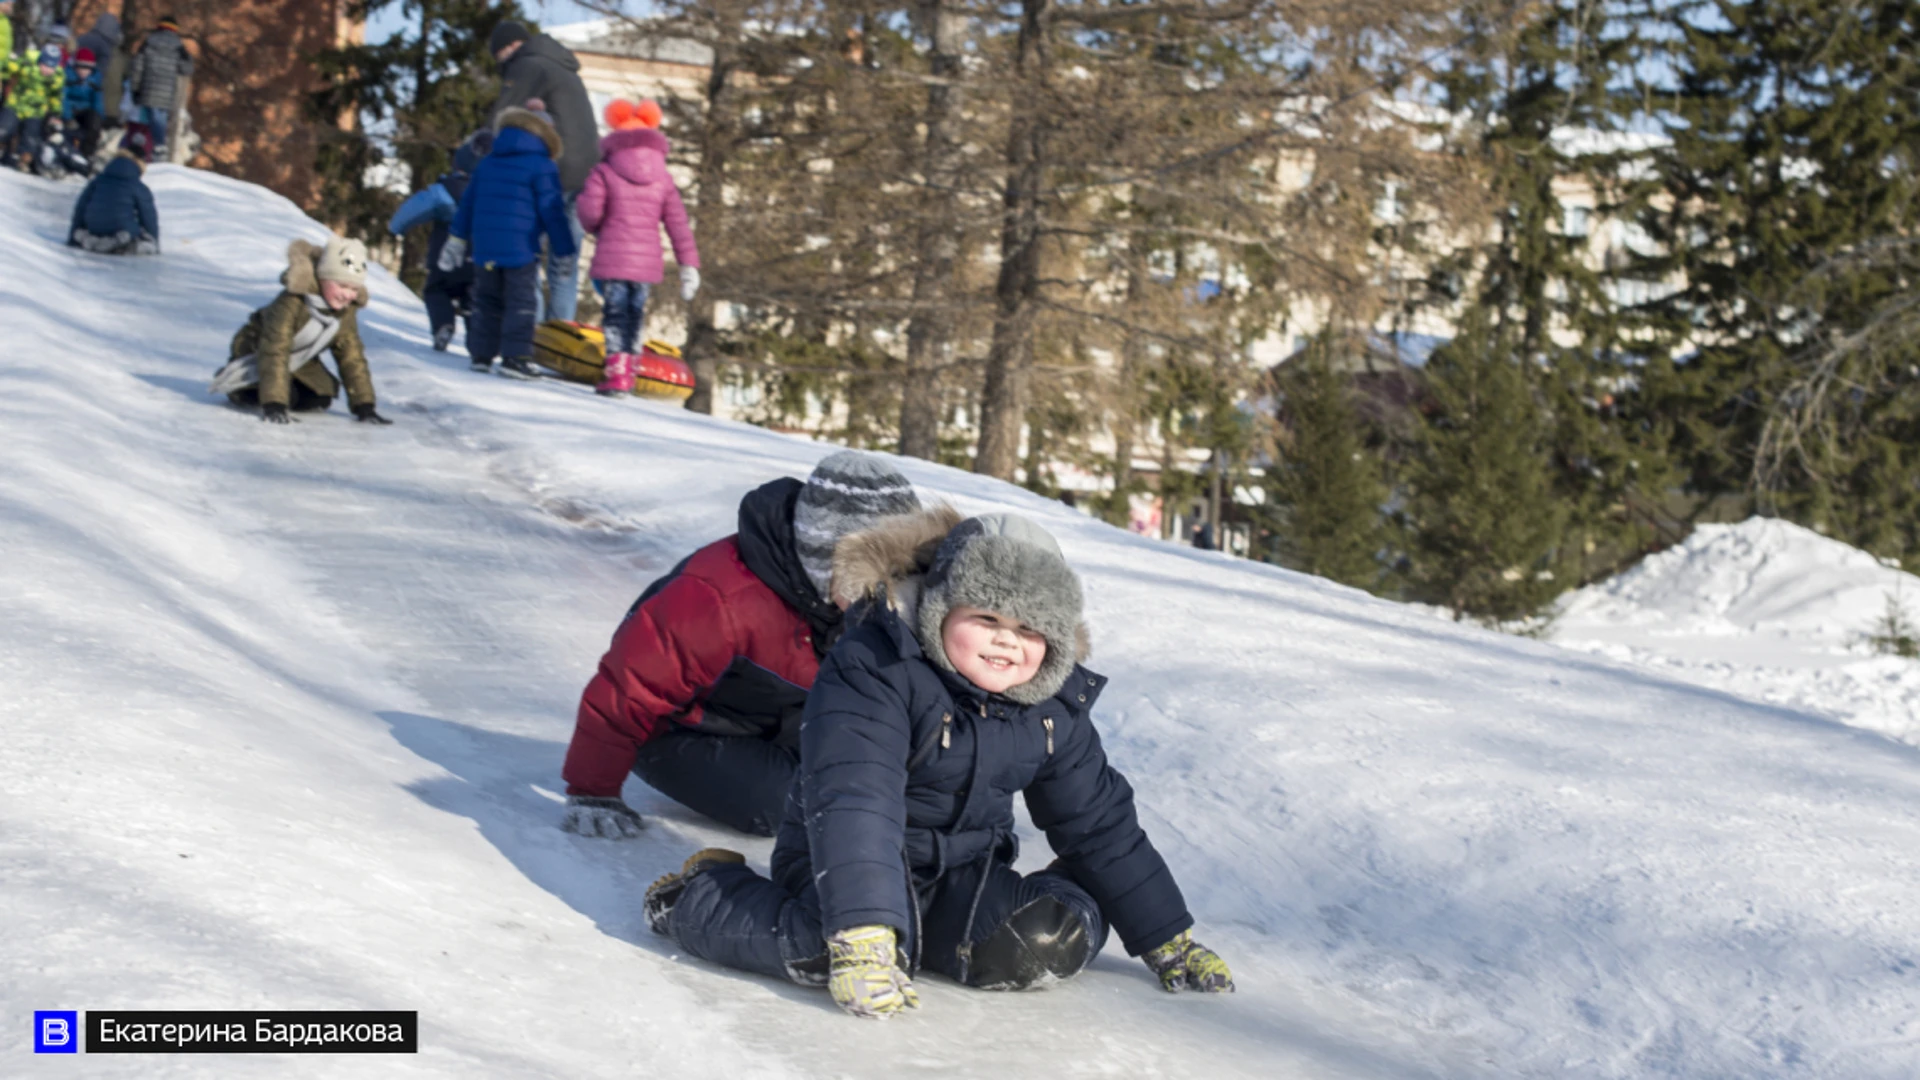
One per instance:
[(1003, 398), (930, 329), (709, 222), (1166, 476)]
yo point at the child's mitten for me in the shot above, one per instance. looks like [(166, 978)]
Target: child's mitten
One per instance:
[(452, 254), (1185, 964), (689, 283), (866, 979), (599, 815), (366, 414)]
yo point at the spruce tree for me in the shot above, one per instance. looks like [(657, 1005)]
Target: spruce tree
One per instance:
[(412, 98), (1325, 489), (1779, 222), (1484, 525)]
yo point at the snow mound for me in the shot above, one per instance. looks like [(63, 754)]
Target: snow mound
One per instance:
[(284, 709), (1762, 576), (1764, 608)]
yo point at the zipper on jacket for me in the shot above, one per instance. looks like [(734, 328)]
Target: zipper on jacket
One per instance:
[(1047, 721), (945, 738)]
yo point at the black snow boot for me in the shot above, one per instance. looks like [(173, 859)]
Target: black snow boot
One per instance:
[(664, 893), (483, 367), (519, 367)]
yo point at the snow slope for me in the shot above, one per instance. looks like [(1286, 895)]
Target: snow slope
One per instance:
[(283, 710), (1765, 609)]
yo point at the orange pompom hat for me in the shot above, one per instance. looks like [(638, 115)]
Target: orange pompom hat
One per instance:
[(624, 115)]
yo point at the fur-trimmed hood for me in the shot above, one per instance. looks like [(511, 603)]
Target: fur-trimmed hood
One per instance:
[(302, 276), (922, 564), (530, 122)]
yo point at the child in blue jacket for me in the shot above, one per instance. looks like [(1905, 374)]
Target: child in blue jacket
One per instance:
[(957, 687), (514, 196), (447, 292)]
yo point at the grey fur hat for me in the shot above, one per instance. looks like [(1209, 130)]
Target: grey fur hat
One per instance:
[(1010, 566)]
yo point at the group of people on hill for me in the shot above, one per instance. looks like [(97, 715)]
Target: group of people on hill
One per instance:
[(872, 681), (535, 175), (53, 95)]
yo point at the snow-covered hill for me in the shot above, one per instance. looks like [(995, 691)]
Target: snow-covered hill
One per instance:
[(281, 712), (1765, 609)]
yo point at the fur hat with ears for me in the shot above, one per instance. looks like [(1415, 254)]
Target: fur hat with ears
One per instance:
[(343, 261), (1010, 566), (302, 276), (924, 564)]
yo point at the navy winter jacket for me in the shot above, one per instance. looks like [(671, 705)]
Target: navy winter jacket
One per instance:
[(907, 771), (514, 195), (116, 201)]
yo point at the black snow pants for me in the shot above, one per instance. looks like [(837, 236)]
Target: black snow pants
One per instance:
[(447, 294), (1007, 932), (738, 781), (504, 304)]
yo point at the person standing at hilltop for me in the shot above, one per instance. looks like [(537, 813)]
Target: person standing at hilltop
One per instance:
[(629, 198), (535, 66), (159, 64)]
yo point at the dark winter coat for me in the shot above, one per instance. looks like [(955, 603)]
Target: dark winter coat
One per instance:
[(102, 39), (82, 95), (116, 201), (543, 68), (270, 334), (515, 195), (628, 198), (908, 771), (727, 643), (157, 69)]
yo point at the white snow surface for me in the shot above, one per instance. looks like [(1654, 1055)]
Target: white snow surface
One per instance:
[(283, 711), (1765, 609)]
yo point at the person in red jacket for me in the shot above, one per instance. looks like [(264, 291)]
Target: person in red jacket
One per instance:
[(701, 692)]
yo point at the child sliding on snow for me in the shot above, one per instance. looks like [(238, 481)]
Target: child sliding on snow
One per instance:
[(513, 197), (958, 687), (275, 358), (628, 197)]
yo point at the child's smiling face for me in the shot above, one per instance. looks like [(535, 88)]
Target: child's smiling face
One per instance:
[(338, 295), (991, 651)]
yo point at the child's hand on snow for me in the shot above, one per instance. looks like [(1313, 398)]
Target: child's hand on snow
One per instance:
[(598, 815), (366, 414), (275, 414), (1185, 964), (866, 979)]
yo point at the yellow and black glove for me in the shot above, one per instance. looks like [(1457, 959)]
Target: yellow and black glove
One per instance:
[(866, 979), (1185, 964)]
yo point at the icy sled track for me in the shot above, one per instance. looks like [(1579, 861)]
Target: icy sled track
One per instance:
[(281, 712)]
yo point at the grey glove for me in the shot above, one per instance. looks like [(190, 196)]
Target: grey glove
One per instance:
[(689, 283), (452, 254), (599, 815)]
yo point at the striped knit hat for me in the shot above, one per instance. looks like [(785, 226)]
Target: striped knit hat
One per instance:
[(846, 492)]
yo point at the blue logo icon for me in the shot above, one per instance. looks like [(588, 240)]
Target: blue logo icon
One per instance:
[(56, 1032)]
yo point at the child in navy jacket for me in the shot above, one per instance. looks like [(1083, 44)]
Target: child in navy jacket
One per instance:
[(958, 688), (514, 196)]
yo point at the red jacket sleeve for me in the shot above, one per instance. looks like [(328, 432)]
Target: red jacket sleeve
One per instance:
[(662, 660)]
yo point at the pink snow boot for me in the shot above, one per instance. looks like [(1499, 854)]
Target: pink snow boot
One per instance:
[(619, 378)]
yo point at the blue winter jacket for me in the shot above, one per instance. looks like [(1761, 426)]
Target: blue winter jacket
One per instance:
[(514, 195), (116, 201), (81, 95), (907, 771)]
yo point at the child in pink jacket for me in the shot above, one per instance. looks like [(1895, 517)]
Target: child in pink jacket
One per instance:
[(628, 197)]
